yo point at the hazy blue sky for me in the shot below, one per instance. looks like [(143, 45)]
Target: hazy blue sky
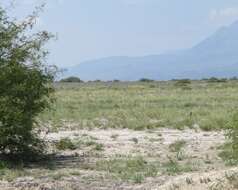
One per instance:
[(90, 29)]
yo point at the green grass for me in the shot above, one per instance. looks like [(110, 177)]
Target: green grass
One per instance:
[(227, 154), (128, 169), (140, 105), (99, 147), (66, 144), (172, 167)]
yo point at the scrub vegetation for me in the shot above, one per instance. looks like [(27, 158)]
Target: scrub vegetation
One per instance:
[(140, 105)]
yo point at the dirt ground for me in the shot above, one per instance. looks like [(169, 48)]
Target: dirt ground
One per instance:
[(195, 152)]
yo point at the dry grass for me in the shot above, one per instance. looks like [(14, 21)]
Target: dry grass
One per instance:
[(144, 105)]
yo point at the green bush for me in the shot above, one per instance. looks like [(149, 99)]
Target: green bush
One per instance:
[(215, 80), (65, 144), (25, 85), (233, 136), (146, 80), (229, 151), (182, 82), (71, 79)]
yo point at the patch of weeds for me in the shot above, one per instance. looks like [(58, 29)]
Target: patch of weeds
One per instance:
[(128, 169), (65, 144), (229, 151), (138, 178), (173, 167), (58, 175), (90, 143), (99, 147), (75, 173), (227, 155), (177, 146), (12, 174), (233, 136), (180, 155)]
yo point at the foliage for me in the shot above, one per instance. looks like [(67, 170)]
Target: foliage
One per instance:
[(146, 80), (65, 144), (182, 82), (173, 167), (130, 169), (214, 79), (232, 146), (71, 79), (25, 84)]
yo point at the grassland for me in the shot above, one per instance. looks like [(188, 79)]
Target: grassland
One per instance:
[(144, 105), (127, 135)]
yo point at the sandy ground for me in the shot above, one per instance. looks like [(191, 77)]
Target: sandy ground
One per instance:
[(201, 149)]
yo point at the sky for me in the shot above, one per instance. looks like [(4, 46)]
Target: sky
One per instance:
[(91, 29)]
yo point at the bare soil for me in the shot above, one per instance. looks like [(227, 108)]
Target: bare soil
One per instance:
[(75, 169)]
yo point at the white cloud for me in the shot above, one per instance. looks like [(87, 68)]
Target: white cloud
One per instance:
[(224, 14)]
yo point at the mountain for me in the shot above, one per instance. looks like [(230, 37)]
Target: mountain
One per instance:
[(215, 56)]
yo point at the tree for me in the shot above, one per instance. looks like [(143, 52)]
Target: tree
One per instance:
[(25, 84), (71, 79)]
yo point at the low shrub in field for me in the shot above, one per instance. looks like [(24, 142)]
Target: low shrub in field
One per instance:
[(230, 149), (183, 82), (233, 135), (146, 80), (172, 167), (65, 144), (98, 147), (214, 79), (130, 169), (71, 79)]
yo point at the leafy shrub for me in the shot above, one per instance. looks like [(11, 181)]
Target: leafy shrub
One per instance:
[(98, 147), (214, 80), (146, 80), (182, 82), (129, 169), (71, 79), (233, 136), (229, 151), (65, 144), (25, 85)]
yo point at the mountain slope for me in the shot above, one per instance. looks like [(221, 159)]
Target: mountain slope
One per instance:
[(215, 56)]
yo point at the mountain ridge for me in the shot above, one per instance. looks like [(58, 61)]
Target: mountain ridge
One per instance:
[(216, 56)]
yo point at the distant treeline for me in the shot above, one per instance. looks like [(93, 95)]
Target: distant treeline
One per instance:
[(73, 79)]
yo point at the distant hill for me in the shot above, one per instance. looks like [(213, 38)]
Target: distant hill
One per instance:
[(215, 56)]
